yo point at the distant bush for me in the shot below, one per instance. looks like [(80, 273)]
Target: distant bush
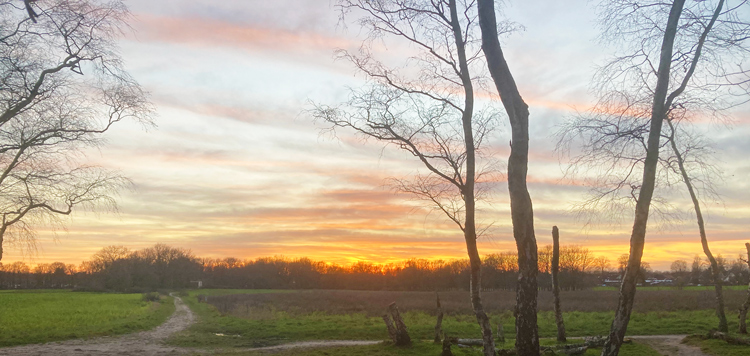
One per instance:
[(182, 293), (151, 297)]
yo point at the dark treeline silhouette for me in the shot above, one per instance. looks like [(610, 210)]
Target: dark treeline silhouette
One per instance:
[(116, 268)]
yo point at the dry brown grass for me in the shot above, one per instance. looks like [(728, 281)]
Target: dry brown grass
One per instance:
[(373, 303)]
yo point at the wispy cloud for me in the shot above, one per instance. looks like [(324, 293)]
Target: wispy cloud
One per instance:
[(237, 169)]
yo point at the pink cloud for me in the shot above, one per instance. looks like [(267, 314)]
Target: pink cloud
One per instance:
[(211, 33)]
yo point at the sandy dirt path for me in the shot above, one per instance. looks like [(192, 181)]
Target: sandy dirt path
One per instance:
[(314, 344), (666, 345), (146, 343), (669, 345)]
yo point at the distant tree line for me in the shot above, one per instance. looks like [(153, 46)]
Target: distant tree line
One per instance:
[(698, 272), (116, 268)]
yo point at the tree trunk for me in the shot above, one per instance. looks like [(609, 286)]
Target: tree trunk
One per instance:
[(470, 233), (638, 236), (476, 299), (556, 284), (402, 334), (716, 271), (391, 328), (746, 305), (439, 324), (521, 209), (3, 228), (396, 327), (447, 342)]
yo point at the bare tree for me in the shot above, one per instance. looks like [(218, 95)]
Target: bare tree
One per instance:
[(679, 272), (746, 305), (105, 257), (576, 258), (50, 112), (521, 209), (602, 264), (679, 58), (678, 266), (426, 108), (681, 159)]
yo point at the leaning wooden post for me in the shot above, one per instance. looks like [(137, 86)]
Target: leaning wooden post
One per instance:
[(439, 325), (746, 305), (402, 335), (556, 284)]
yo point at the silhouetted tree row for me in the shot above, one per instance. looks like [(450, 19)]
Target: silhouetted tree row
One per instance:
[(18, 275), (114, 268), (117, 268)]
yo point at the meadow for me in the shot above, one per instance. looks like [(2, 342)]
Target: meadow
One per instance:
[(254, 318), (37, 316), (232, 321), (373, 303)]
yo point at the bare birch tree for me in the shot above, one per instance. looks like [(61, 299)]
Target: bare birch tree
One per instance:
[(679, 162), (426, 108), (680, 57), (521, 209), (62, 85)]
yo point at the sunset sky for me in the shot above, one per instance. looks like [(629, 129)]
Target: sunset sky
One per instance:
[(236, 167)]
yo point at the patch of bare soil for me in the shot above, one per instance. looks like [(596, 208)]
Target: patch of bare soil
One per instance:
[(315, 344), (145, 343), (669, 345)]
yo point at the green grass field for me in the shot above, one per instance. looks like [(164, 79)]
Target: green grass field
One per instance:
[(270, 327), (247, 327), (270, 317), (44, 315)]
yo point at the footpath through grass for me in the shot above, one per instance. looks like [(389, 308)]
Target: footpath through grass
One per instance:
[(249, 326), (38, 316), (419, 348)]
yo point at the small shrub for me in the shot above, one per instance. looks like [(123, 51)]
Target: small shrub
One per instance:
[(182, 293), (151, 297)]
